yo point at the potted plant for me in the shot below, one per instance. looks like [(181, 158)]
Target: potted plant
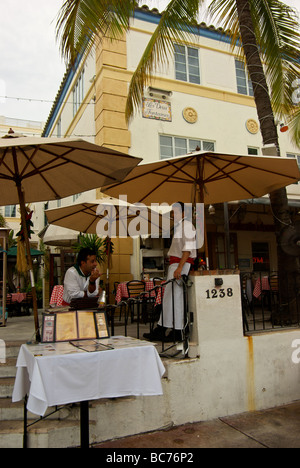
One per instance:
[(93, 242)]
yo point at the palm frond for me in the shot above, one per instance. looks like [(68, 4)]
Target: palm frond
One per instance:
[(224, 12), (278, 33), (278, 36), (294, 124), (177, 24), (81, 21)]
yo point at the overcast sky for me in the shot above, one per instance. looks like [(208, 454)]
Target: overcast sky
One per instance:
[(30, 65)]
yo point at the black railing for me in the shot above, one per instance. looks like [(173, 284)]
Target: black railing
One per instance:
[(264, 305), (139, 314)]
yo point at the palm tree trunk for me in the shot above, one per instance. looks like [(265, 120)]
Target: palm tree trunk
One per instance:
[(288, 266)]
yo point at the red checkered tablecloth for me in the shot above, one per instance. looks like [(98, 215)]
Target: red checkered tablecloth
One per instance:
[(122, 292), (261, 285), (57, 296), (18, 297)]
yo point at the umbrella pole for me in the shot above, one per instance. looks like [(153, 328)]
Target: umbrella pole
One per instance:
[(4, 283), (227, 235), (30, 264), (107, 270), (201, 198)]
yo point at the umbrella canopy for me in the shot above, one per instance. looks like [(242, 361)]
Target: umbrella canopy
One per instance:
[(38, 169), (115, 217), (85, 217), (58, 236), (206, 177), (13, 252), (54, 168)]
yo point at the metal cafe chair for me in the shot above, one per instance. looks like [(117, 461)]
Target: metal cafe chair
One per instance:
[(136, 290), (27, 304), (155, 310), (274, 290)]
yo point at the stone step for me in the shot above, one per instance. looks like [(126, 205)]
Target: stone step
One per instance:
[(9, 368), (12, 348), (6, 387), (10, 411), (44, 434)]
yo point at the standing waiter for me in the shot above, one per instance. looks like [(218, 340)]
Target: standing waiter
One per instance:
[(182, 253)]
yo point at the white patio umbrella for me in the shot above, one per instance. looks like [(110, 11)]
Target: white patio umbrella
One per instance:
[(116, 216), (207, 178), (42, 169)]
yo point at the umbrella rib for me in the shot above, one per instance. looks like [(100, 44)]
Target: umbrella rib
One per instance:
[(44, 179), (69, 214), (228, 175), (62, 161), (90, 150), (28, 158), (2, 162), (243, 166), (169, 163)]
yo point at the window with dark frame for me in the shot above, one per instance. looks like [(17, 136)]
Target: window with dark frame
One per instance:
[(173, 146), (243, 81), (187, 64)]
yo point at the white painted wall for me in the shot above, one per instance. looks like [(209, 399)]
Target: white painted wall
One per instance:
[(229, 373)]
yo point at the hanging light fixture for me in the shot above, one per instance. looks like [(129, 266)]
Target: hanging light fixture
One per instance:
[(283, 128), (211, 210)]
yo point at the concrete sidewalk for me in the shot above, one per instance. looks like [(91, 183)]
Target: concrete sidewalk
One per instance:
[(273, 428), (19, 328)]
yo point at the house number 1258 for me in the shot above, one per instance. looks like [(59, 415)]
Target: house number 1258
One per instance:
[(214, 293)]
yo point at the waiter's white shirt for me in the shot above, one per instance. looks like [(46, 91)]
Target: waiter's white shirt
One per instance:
[(76, 285), (184, 240)]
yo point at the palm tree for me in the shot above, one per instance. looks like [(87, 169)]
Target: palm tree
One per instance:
[(288, 266), (268, 31)]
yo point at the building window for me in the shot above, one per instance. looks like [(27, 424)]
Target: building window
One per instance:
[(294, 156), (172, 146), (297, 157), (76, 196), (10, 211), (252, 151), (217, 251), (187, 64), (78, 93), (244, 84)]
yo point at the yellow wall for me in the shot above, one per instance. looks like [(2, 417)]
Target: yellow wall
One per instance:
[(112, 132), (120, 264), (111, 94)]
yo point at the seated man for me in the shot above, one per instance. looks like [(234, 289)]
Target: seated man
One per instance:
[(182, 253), (82, 280)]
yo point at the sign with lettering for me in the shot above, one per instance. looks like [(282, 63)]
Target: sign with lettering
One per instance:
[(157, 110)]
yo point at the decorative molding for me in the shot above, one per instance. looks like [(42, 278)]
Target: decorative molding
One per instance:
[(190, 115), (252, 126)]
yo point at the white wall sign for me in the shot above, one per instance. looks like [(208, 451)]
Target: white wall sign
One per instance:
[(158, 110)]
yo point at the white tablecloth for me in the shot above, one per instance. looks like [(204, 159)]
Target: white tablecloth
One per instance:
[(58, 379)]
